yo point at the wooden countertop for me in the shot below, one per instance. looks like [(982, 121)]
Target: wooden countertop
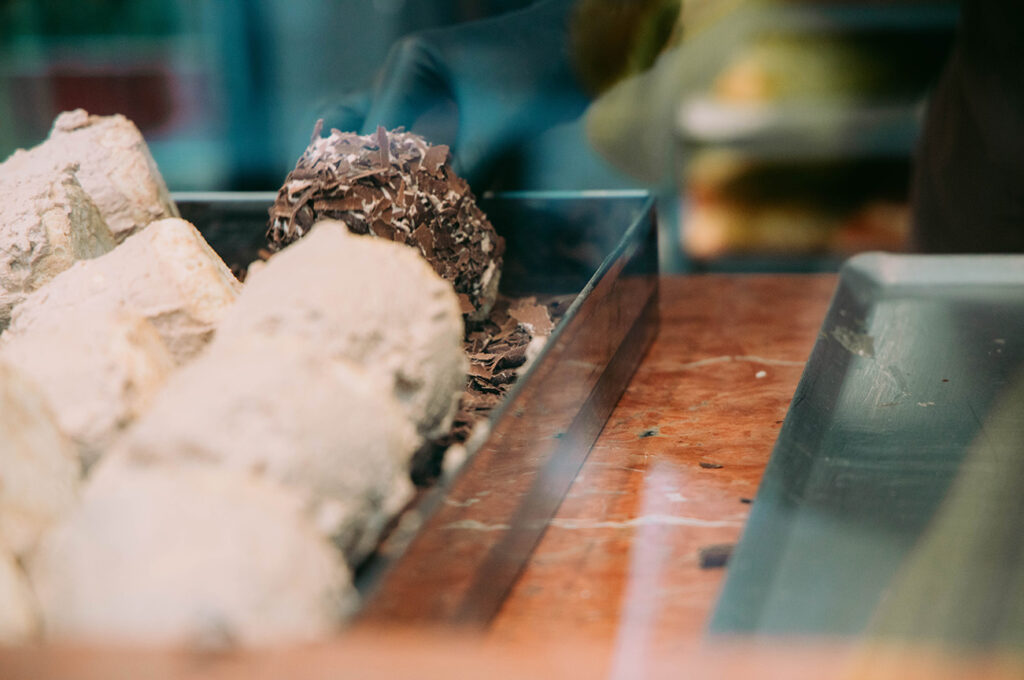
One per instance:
[(675, 466), (616, 587)]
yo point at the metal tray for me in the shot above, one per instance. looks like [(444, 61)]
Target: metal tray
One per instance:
[(892, 501), (439, 567)]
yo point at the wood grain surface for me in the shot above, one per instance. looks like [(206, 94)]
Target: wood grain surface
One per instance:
[(681, 453)]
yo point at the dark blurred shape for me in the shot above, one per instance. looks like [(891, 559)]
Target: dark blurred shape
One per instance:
[(715, 556), (613, 39), (969, 172)]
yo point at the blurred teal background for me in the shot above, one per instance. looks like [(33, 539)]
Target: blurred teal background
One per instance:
[(792, 152), (225, 91)]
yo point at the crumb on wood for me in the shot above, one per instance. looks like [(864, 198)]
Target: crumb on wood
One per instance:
[(715, 556)]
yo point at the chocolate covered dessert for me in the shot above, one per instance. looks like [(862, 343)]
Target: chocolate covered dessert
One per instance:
[(394, 185)]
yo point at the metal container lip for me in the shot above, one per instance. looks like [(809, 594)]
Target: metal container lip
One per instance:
[(628, 240)]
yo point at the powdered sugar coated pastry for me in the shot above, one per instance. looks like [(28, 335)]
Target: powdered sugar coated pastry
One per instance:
[(281, 406), (396, 186), (166, 273), (47, 222), (188, 554), (114, 167), (371, 301), (99, 370), (18, 616), (39, 470)]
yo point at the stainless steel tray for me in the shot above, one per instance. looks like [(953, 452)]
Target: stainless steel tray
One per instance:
[(439, 567), (892, 500)]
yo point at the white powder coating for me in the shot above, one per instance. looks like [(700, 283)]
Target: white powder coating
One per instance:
[(98, 370), (114, 167), (188, 554), (373, 302), (166, 273), (39, 468), (278, 406), (47, 222), (18, 615)]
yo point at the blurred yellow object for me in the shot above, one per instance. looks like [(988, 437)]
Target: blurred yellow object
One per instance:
[(614, 39), (711, 231), (778, 67), (741, 206)]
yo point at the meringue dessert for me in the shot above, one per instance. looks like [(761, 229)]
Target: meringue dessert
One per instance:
[(166, 273), (112, 163), (48, 223)]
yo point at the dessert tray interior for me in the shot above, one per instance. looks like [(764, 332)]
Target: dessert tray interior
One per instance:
[(892, 501), (600, 250)]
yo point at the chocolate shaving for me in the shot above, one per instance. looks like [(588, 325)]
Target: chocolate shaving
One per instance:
[(528, 312), (435, 157), (425, 240), (382, 142), (465, 304)]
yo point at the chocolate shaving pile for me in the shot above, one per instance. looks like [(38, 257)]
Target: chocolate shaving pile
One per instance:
[(496, 348), (396, 186)]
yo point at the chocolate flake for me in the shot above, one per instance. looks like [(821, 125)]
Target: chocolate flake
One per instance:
[(528, 312), (434, 158), (465, 304)]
